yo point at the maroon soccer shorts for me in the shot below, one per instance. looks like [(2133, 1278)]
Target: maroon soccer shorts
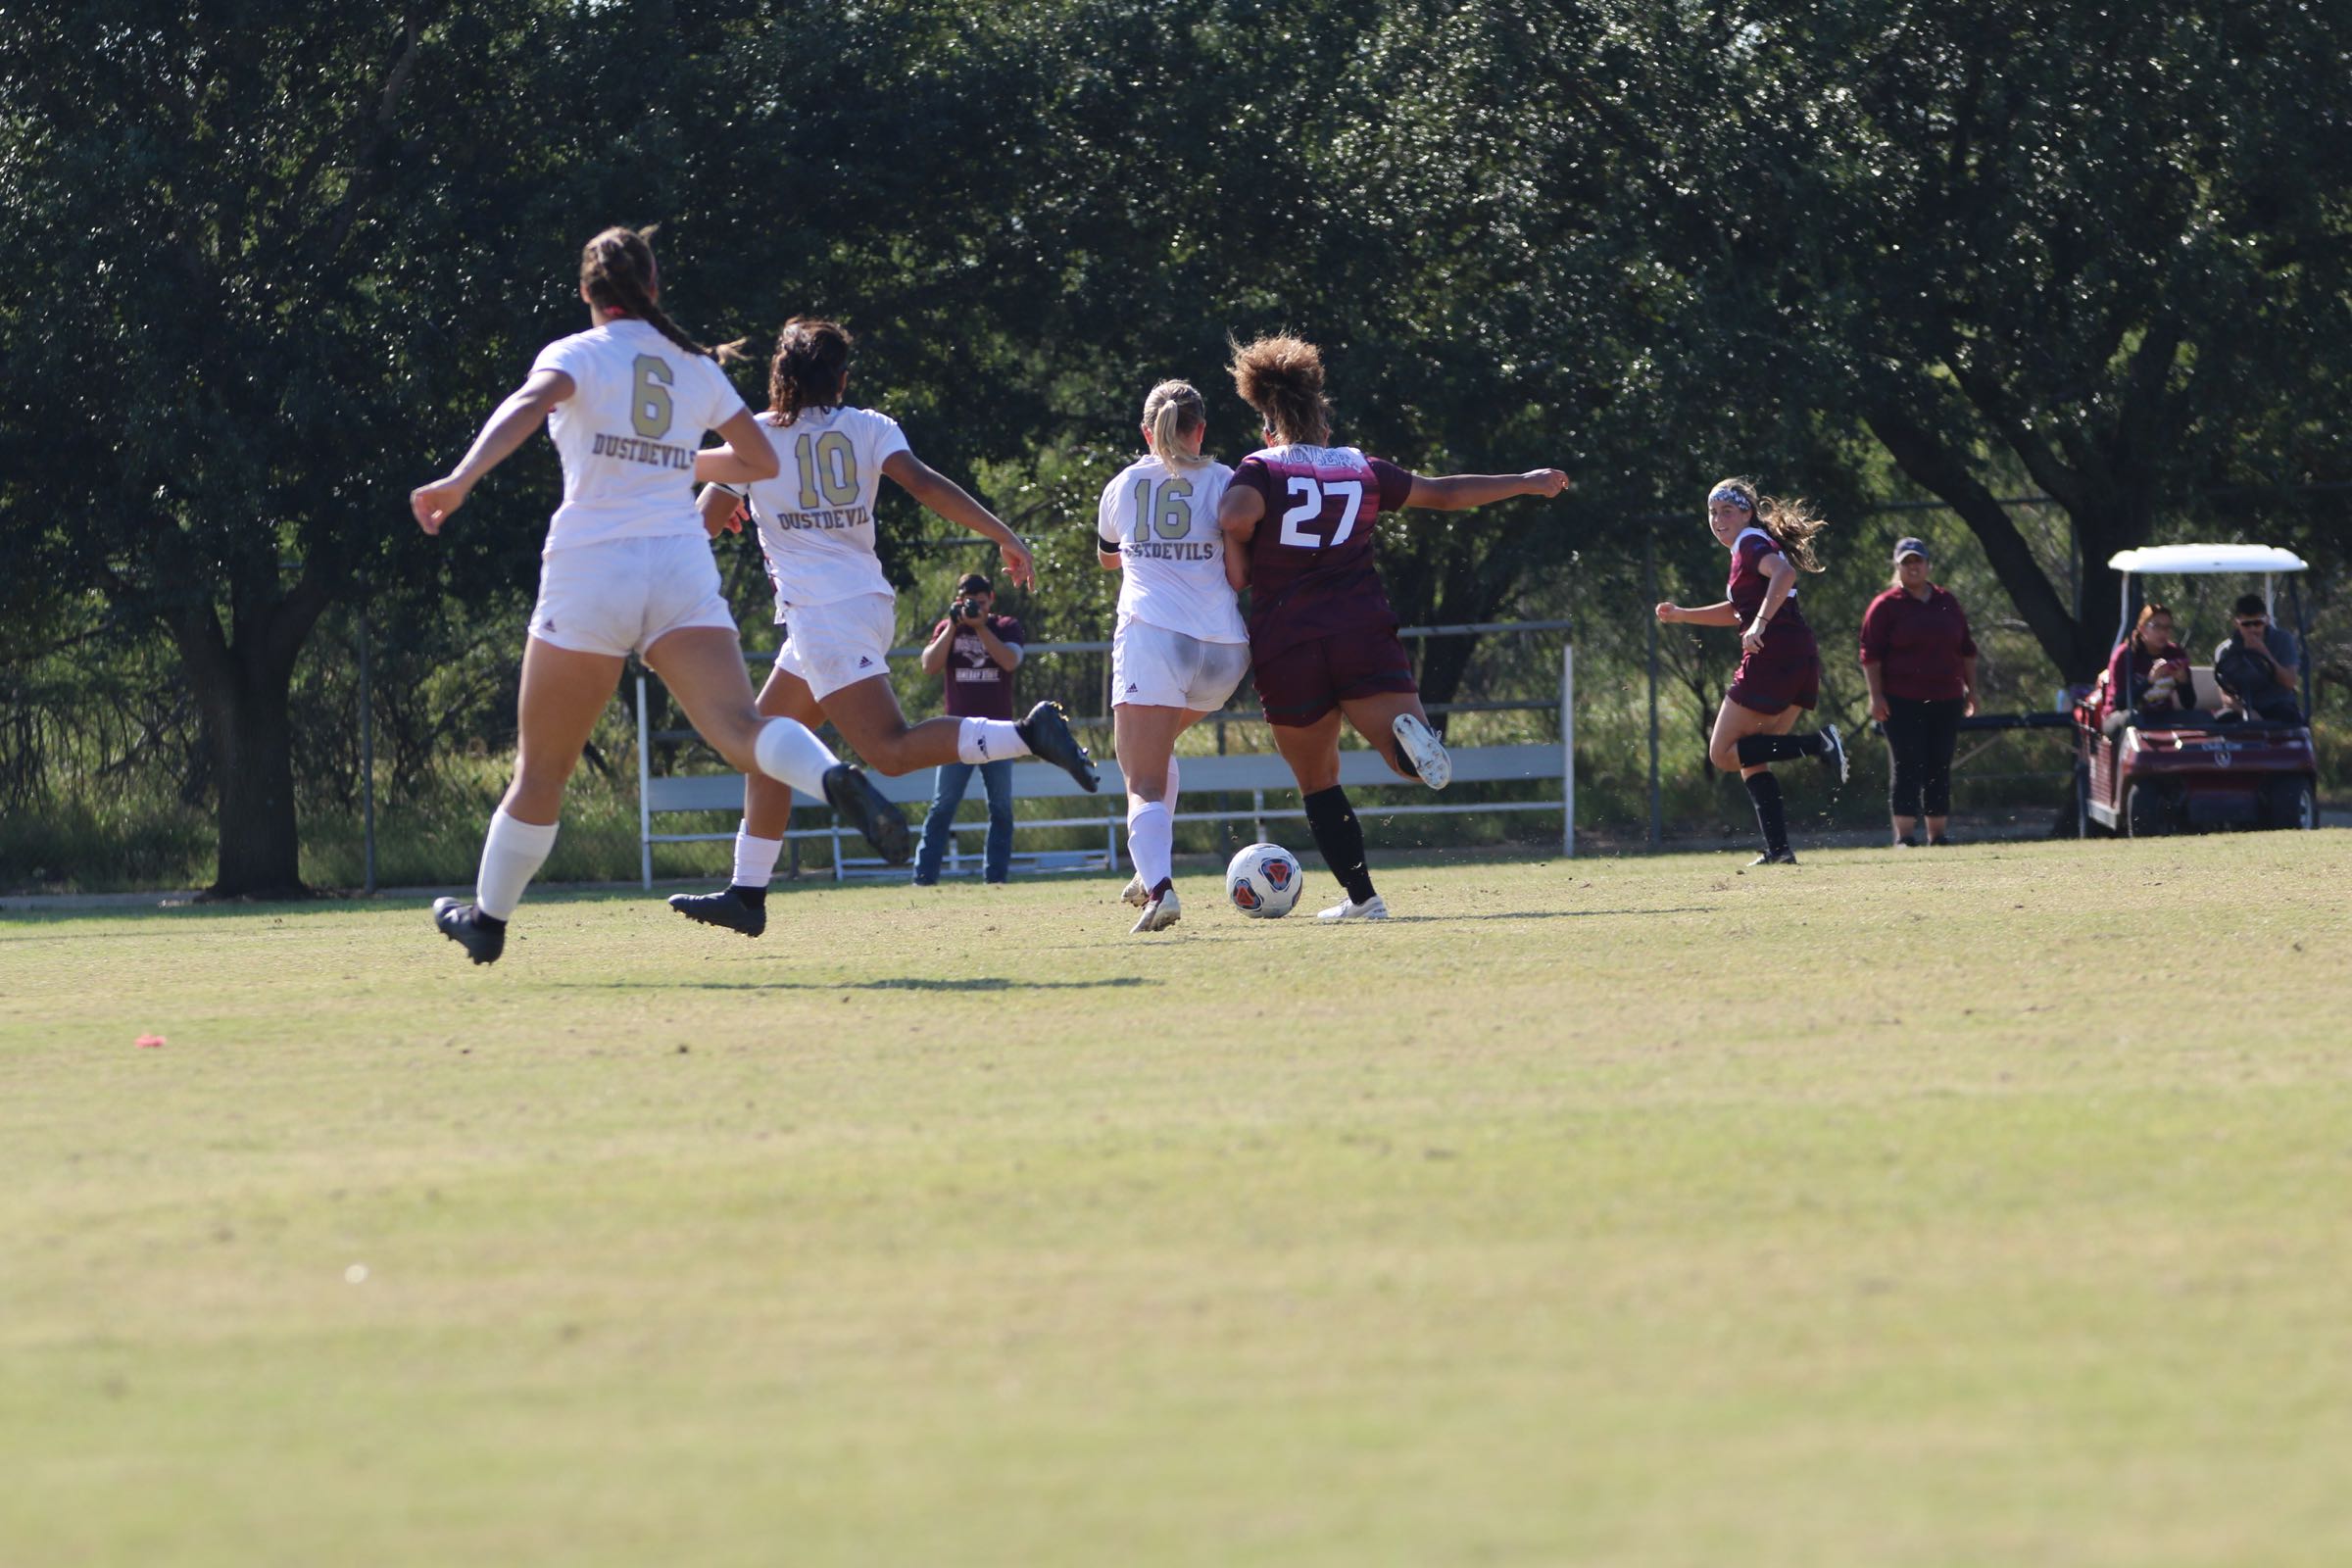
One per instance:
[(1784, 671), (1306, 680)]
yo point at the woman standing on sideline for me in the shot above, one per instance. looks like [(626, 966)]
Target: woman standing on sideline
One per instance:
[(1779, 664), (1180, 647), (1298, 519), (815, 520), (626, 568), (1921, 664)]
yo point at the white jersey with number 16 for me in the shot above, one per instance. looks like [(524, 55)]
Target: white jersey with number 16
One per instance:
[(629, 433), (1171, 555)]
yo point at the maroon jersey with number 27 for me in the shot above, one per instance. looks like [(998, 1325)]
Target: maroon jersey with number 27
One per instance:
[(1312, 572)]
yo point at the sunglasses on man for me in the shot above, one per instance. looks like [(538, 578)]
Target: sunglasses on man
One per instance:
[(2253, 623)]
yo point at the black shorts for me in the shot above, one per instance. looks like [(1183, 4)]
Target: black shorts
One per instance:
[(1306, 680)]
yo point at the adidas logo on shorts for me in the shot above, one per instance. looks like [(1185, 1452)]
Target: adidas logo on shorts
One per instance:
[(865, 662)]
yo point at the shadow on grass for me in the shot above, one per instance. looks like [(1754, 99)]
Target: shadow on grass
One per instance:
[(894, 983), (1543, 915)]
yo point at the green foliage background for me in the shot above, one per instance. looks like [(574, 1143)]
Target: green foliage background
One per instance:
[(274, 264)]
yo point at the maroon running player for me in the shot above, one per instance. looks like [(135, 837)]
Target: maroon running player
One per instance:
[(1299, 518), (1780, 666)]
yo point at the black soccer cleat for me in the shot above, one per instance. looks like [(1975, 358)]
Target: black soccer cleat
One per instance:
[(1832, 753), (482, 938), (850, 793), (1774, 858), (725, 908), (1047, 735)]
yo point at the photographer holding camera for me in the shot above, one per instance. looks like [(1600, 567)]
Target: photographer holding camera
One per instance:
[(976, 651)]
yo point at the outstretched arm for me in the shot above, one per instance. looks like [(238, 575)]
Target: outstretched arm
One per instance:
[(510, 424), (938, 493), (1238, 517), (1460, 492)]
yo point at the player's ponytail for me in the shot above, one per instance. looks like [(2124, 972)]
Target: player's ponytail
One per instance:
[(1281, 378), (1171, 408), (811, 369), (1792, 523), (617, 267)]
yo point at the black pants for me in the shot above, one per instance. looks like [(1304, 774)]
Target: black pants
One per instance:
[(1921, 733)]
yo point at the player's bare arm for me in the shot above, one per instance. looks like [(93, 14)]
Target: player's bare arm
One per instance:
[(510, 424), (1460, 492), (1723, 612), (937, 493), (744, 456), (1238, 517), (1780, 577), (722, 510)]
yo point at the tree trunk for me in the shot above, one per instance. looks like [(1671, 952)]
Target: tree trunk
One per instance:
[(2079, 648), (244, 691)]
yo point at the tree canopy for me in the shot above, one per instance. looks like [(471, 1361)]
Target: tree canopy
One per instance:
[(274, 264)]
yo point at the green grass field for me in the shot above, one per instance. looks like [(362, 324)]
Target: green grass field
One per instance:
[(1984, 1207)]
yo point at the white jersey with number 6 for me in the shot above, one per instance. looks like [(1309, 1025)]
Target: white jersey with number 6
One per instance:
[(629, 433), (1171, 555), (817, 516)]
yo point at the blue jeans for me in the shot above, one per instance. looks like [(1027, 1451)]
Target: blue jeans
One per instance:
[(953, 779)]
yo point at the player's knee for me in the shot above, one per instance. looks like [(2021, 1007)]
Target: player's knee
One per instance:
[(889, 754), (1725, 754)]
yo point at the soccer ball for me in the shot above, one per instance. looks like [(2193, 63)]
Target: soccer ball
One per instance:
[(1263, 881)]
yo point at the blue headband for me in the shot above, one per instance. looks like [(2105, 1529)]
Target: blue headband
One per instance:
[(1734, 497)]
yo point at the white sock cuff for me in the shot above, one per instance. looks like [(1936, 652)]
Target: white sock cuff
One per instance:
[(989, 740), (786, 751), (513, 833), (512, 852), (1137, 809), (756, 859)]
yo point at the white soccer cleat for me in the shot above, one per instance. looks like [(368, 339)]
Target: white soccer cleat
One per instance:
[(1374, 907), (1423, 751), (1159, 914), (1133, 892)]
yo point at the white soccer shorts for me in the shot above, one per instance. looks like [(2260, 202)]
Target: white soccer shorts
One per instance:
[(625, 595), (1151, 666), (839, 644)]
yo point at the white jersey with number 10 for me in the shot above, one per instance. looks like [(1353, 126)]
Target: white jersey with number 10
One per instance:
[(1171, 555), (628, 433), (817, 516)]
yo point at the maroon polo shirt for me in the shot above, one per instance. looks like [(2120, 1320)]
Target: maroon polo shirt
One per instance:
[(1919, 644)]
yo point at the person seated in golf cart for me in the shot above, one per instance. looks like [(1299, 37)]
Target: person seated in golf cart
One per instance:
[(2148, 679), (2257, 667)]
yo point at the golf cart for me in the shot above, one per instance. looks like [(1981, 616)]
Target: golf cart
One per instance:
[(2184, 770)]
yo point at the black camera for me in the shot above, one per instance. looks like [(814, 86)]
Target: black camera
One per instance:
[(969, 609)]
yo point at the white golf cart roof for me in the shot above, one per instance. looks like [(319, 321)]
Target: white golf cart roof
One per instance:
[(2199, 559)]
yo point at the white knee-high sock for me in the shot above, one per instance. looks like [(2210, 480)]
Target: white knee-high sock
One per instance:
[(787, 750), (755, 859), (512, 852), (989, 740), (1150, 840)]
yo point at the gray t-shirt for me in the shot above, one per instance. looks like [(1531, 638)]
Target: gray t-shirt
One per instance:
[(2282, 645)]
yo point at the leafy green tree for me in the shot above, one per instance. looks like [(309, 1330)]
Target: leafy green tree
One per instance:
[(271, 262), (2098, 248)]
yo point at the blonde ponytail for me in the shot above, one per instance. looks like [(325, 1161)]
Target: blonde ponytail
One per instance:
[(1171, 408)]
